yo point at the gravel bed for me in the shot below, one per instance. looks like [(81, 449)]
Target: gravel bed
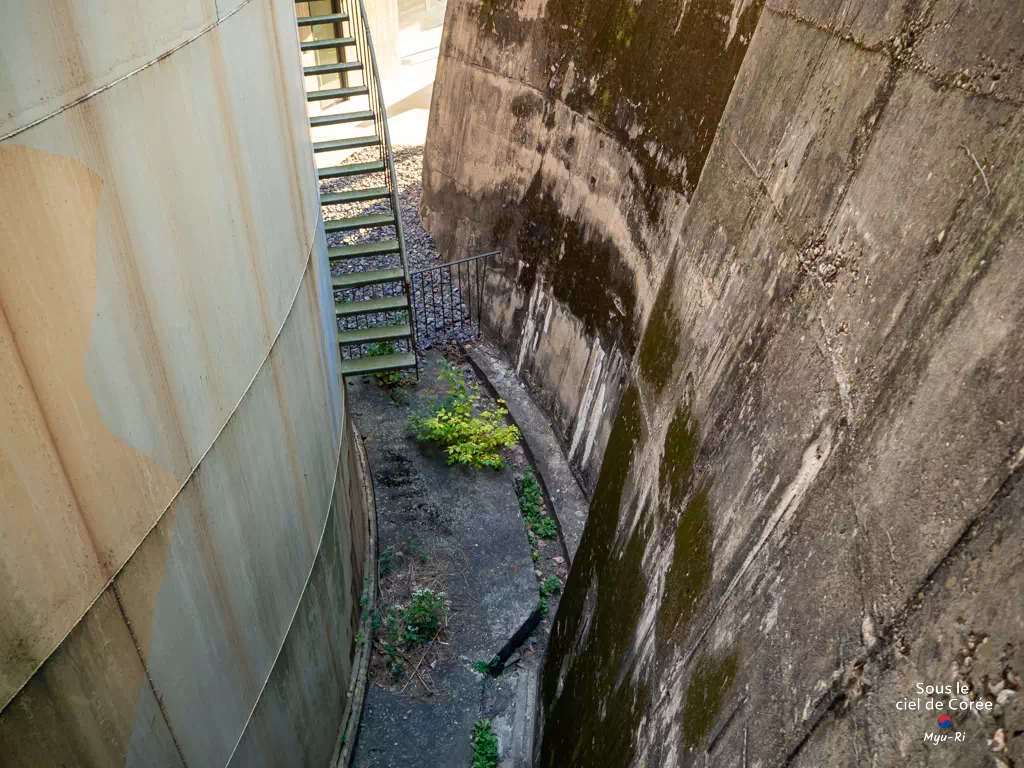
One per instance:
[(434, 298)]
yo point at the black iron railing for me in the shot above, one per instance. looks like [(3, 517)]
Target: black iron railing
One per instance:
[(448, 298)]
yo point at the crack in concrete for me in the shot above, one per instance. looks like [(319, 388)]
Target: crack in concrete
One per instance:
[(834, 697)]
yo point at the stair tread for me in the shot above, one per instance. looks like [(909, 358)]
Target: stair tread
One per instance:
[(343, 117), (376, 248), (351, 169), (337, 93), (360, 222), (328, 18), (352, 143), (367, 306), (371, 277), (369, 335), (330, 42), (364, 365), (354, 195), (329, 69)]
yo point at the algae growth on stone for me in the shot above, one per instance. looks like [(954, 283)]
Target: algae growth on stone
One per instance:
[(594, 670)]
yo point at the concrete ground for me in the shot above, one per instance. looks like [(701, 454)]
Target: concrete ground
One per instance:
[(570, 504), (460, 531)]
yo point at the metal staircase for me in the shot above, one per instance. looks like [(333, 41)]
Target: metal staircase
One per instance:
[(370, 273)]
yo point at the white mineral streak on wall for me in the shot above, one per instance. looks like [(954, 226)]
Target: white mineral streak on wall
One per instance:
[(593, 377)]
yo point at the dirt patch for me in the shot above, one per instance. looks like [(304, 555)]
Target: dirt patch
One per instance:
[(399, 663)]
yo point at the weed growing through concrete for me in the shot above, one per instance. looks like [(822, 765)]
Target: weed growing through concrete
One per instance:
[(488, 667), (426, 612), (469, 435), (402, 628), (485, 745), (550, 586), (544, 607), (531, 504)]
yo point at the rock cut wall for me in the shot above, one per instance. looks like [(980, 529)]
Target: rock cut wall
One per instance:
[(801, 268)]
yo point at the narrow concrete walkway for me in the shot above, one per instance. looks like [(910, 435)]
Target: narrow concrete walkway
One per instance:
[(570, 504), (459, 531)]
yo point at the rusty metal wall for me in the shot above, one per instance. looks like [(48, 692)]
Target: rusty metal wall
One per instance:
[(182, 551)]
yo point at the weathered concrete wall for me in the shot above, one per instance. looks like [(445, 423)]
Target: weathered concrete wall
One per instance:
[(810, 495), (182, 550), (569, 135)]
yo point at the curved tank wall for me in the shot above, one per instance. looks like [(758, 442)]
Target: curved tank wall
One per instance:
[(183, 532)]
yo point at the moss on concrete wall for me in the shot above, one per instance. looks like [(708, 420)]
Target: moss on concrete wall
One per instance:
[(787, 233)]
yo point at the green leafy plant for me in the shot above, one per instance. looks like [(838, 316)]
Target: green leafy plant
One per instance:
[(487, 667), (468, 434), (424, 615), (550, 586), (531, 504), (386, 562), (545, 527), (543, 605), (485, 745), (385, 378)]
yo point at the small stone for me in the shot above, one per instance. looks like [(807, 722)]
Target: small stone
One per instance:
[(558, 560), (539, 573), (513, 659), (998, 741)]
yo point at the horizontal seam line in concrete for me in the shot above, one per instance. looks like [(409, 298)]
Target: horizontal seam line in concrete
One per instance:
[(298, 603), (534, 88), (938, 79), (185, 482), (125, 76)]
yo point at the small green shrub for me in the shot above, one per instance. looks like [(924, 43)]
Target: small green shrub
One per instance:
[(424, 615), (543, 605), (485, 745), (467, 434), (401, 628), (550, 586)]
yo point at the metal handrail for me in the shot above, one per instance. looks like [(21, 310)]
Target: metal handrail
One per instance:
[(447, 296), (457, 262), (364, 42)]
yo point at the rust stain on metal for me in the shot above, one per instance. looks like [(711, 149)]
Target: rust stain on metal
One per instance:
[(48, 298)]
